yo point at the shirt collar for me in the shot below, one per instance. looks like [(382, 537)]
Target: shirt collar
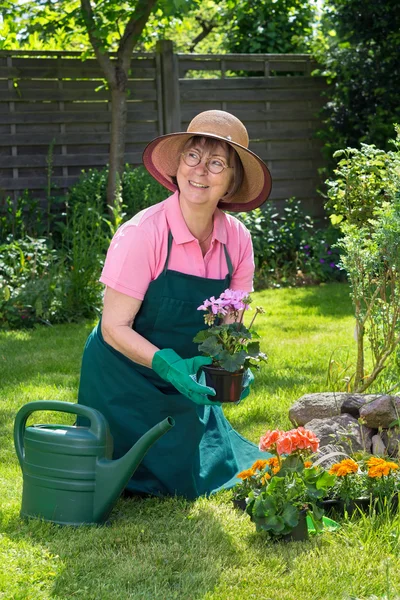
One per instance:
[(178, 227)]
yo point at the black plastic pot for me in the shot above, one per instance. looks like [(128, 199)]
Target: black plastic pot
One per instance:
[(228, 386), (367, 503), (239, 504), (331, 507), (298, 533)]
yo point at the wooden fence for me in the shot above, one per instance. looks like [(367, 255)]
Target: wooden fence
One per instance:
[(55, 106)]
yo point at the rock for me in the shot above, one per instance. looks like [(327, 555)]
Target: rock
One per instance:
[(342, 430), (328, 455), (378, 447), (381, 411), (352, 404), (316, 406), (391, 437)]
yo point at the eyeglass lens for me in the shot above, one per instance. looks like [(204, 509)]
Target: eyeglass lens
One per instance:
[(214, 165)]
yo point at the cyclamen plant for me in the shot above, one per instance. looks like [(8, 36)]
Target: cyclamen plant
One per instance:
[(230, 344)]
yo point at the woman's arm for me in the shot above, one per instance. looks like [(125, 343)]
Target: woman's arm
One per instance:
[(119, 313)]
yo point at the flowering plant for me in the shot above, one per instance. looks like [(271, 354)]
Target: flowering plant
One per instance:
[(229, 344), (280, 488), (370, 477)]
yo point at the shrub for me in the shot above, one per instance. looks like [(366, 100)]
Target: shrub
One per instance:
[(138, 189), (288, 249), (27, 281), (366, 198)]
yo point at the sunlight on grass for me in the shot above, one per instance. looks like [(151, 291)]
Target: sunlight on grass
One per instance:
[(172, 549)]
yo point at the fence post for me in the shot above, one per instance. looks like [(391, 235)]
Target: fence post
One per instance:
[(170, 86)]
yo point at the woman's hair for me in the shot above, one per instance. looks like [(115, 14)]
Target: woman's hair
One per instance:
[(209, 145)]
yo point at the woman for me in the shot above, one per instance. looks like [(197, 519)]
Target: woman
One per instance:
[(139, 362)]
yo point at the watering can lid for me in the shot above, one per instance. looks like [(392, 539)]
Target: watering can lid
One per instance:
[(67, 438)]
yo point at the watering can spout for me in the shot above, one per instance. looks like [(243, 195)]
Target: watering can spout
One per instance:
[(113, 475)]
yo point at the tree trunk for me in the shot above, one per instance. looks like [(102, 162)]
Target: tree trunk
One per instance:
[(117, 142)]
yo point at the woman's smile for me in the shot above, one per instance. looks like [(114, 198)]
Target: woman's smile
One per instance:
[(198, 185)]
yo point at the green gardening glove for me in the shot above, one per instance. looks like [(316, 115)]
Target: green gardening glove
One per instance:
[(182, 374)]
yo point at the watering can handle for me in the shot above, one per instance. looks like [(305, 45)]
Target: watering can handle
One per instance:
[(98, 424)]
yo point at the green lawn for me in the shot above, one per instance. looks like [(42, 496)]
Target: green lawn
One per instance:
[(173, 549)]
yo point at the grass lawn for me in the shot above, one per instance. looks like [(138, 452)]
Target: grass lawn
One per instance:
[(174, 549)]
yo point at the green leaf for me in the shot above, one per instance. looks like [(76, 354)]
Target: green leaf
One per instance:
[(211, 347), (231, 362), (291, 515), (202, 335), (253, 349)]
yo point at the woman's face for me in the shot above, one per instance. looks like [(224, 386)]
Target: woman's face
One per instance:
[(197, 186)]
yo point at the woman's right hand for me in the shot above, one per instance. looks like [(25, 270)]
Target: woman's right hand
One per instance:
[(182, 374)]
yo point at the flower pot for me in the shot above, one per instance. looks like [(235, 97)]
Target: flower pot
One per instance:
[(331, 506), (239, 504), (298, 533), (227, 385), (368, 503)]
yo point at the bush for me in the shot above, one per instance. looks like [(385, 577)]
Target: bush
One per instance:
[(288, 250), (358, 49), (138, 189), (54, 279), (27, 281)]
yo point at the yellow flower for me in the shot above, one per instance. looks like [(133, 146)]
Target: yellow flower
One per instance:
[(265, 478), (259, 465), (346, 466), (307, 464), (245, 474), (274, 464)]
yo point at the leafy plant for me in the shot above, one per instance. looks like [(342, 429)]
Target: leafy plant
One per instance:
[(288, 247), (372, 476), (366, 201), (287, 483), (229, 344)]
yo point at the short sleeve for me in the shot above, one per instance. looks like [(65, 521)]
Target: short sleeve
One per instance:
[(129, 265), (243, 274)]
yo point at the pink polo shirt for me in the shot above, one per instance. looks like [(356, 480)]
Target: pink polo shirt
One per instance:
[(138, 250)]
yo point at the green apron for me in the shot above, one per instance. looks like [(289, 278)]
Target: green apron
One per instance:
[(202, 453)]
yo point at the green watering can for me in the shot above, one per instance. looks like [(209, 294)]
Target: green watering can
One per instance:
[(68, 475)]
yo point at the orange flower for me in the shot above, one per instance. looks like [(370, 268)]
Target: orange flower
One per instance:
[(269, 439), (285, 444), (379, 467), (307, 464), (309, 439), (274, 464), (259, 465), (245, 474), (346, 466), (265, 478)]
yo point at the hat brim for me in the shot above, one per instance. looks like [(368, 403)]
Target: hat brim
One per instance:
[(162, 155)]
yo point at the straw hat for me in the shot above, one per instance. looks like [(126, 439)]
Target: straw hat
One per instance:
[(161, 158)]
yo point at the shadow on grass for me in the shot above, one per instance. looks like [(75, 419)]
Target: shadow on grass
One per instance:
[(152, 548), (331, 300)]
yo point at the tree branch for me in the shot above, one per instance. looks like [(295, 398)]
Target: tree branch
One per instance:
[(132, 32), (207, 28), (104, 60)]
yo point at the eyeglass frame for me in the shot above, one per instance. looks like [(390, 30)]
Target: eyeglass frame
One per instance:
[(206, 164)]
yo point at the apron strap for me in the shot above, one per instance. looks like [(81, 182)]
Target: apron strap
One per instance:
[(227, 257), (170, 239), (228, 262)]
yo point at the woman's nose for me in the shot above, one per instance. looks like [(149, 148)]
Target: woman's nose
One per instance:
[(201, 168)]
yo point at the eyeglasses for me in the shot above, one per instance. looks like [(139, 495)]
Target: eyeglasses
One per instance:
[(213, 164)]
